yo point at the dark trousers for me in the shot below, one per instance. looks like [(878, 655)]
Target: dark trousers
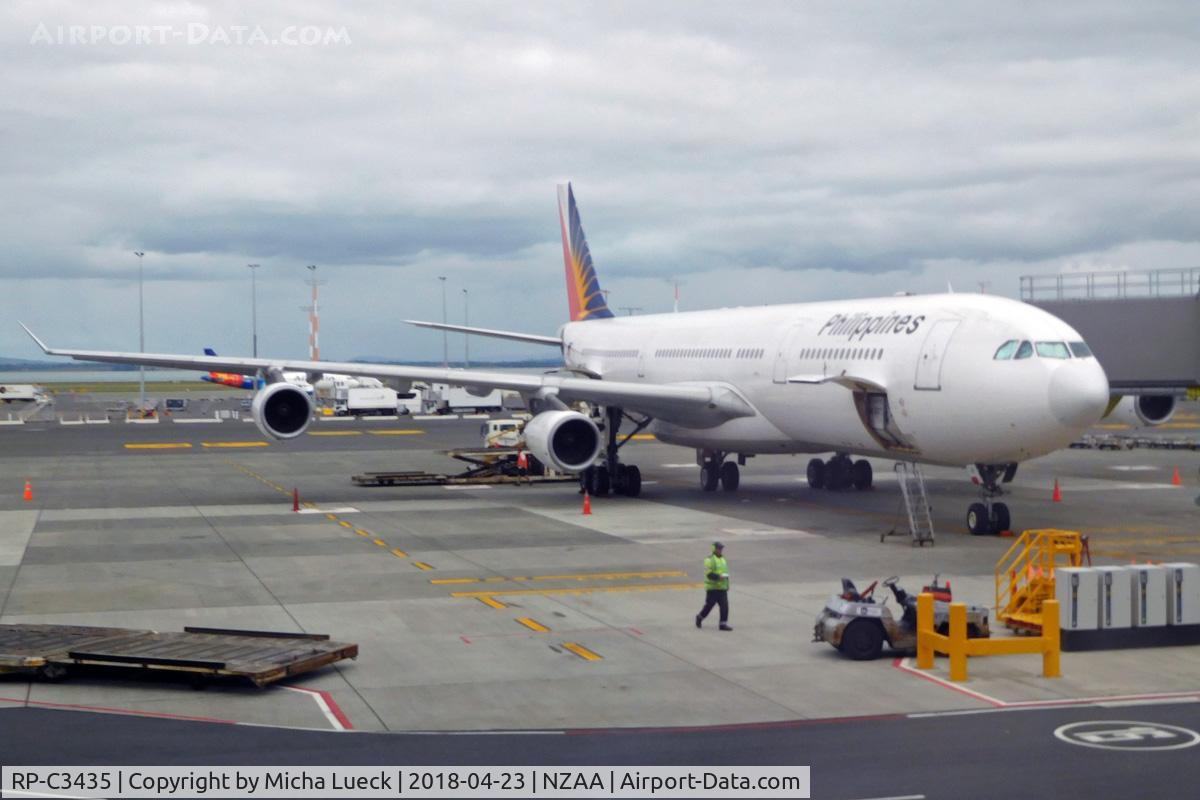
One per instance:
[(716, 597)]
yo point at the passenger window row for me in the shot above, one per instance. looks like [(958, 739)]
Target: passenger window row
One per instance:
[(709, 352), (843, 353)]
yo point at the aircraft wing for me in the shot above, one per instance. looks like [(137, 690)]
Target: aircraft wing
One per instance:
[(530, 338), (690, 404)]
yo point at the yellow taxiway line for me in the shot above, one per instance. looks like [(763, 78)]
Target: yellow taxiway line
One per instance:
[(653, 587), (159, 446), (335, 433), (398, 553), (396, 432), (421, 565), (488, 601), (594, 576), (533, 624), (234, 444), (583, 652)]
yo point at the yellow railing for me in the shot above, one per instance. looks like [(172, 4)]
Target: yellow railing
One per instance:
[(1025, 574), (956, 644)]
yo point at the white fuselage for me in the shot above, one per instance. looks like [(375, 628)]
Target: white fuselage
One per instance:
[(947, 400)]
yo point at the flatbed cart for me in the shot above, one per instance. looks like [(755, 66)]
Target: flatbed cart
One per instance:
[(262, 657), (488, 466)]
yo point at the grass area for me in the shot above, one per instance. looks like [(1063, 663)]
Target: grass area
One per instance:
[(124, 387)]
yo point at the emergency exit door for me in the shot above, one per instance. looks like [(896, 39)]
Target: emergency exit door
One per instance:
[(933, 352)]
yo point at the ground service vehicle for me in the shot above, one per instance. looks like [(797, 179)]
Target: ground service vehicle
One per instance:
[(858, 625)]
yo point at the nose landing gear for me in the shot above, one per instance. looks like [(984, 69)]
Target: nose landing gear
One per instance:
[(989, 516)]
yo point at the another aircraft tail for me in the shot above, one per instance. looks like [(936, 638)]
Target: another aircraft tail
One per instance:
[(584, 295)]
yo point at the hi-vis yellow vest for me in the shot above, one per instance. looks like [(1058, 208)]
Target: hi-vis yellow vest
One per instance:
[(716, 563)]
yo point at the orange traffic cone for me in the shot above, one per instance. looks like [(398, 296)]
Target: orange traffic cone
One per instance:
[(587, 505), (295, 499), (1175, 479), (28, 495), (1057, 496)]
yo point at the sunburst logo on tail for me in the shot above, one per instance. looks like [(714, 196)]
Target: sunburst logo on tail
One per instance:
[(584, 295)]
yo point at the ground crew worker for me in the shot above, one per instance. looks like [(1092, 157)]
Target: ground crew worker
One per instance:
[(523, 464), (716, 586)]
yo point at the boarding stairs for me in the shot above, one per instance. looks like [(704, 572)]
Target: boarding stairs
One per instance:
[(916, 502), (1025, 574)]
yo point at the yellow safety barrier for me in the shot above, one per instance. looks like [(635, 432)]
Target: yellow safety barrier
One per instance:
[(958, 646), (1025, 574)]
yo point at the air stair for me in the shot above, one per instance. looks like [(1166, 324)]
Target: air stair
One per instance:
[(916, 503), (1025, 574)]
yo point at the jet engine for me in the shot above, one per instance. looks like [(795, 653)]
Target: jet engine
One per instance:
[(565, 440), (282, 410), (1144, 409)]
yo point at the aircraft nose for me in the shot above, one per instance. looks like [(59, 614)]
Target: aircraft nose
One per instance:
[(1078, 394)]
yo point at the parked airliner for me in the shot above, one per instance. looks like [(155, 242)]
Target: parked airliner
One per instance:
[(956, 379)]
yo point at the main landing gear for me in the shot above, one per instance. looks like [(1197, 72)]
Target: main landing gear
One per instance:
[(988, 516), (716, 471), (840, 472), (610, 475)]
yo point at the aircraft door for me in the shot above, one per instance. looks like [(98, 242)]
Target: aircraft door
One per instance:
[(787, 356), (933, 351)]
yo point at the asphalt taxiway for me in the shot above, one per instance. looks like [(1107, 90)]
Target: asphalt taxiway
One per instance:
[(506, 609)]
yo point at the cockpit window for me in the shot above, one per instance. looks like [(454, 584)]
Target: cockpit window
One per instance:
[(1024, 351), (1006, 350), (1053, 350), (1080, 350)]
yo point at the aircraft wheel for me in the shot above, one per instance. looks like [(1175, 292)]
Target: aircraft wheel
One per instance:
[(977, 519), (816, 474), (600, 482), (862, 640), (861, 475), (837, 474), (730, 477), (633, 481), (709, 476), (1001, 520)]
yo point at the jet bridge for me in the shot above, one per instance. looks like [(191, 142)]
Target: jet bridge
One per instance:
[(1143, 326)]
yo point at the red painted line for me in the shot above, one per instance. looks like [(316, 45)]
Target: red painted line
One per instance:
[(330, 703), (738, 726), (635, 630), (465, 640), (899, 664), (127, 711)]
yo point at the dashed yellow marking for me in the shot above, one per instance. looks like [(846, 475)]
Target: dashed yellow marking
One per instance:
[(488, 601), (533, 624), (331, 516), (159, 446), (381, 543), (583, 652), (398, 553), (583, 590), (345, 524), (395, 432), (421, 565), (361, 532), (583, 576), (234, 444), (335, 433), (642, 437)]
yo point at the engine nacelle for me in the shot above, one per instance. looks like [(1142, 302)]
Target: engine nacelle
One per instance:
[(1144, 410), (565, 440), (282, 410)]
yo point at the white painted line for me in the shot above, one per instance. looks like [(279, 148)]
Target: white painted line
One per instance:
[(197, 421), (383, 417), (436, 416), (455, 488), (319, 699), (104, 421), (12, 422), (347, 418), (248, 419), (1150, 702), (70, 422), (476, 416), (339, 510), (147, 421), (1136, 468)]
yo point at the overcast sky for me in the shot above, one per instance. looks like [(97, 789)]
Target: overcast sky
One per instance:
[(756, 152)]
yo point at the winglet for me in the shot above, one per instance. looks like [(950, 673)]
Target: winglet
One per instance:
[(33, 336)]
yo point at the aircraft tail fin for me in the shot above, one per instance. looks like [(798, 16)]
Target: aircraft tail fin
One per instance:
[(584, 296)]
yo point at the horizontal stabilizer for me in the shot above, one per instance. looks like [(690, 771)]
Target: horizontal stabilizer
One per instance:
[(531, 338)]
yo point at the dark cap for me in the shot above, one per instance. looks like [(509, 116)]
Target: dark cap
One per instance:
[(718, 546)]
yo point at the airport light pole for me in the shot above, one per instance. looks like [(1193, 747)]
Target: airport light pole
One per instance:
[(253, 307), (466, 336), (141, 335), (445, 341)]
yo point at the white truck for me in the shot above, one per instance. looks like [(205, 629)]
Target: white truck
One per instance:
[(364, 401), (24, 392), (454, 399)]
